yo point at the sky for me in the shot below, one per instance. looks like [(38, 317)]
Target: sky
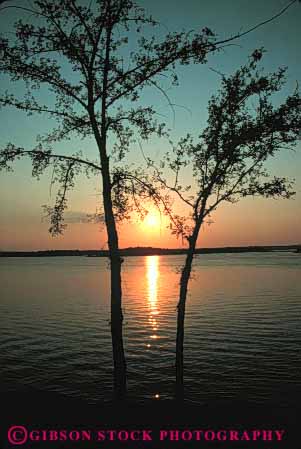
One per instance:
[(249, 222)]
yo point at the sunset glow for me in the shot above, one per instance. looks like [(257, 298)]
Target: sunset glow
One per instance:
[(150, 238), (256, 221), (152, 222)]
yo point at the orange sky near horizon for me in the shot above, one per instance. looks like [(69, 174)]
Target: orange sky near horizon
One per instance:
[(250, 222)]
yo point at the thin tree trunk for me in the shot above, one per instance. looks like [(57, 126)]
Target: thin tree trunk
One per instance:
[(116, 325), (115, 265), (116, 289), (115, 259), (180, 326), (184, 280)]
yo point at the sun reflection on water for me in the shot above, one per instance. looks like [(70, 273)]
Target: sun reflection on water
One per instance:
[(152, 274), (152, 278)]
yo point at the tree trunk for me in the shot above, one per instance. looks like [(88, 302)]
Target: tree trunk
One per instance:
[(116, 329), (116, 289), (115, 264), (114, 254), (185, 276), (184, 280)]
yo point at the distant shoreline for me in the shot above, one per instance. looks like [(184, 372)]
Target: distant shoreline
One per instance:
[(150, 251)]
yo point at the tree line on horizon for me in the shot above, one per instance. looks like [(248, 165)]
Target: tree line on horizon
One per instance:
[(110, 64), (149, 250)]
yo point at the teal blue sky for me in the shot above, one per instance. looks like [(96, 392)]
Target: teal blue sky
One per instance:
[(251, 221)]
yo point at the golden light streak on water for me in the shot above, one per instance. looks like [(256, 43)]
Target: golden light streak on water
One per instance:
[(152, 274)]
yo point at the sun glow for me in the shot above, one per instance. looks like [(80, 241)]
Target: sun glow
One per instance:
[(152, 221)]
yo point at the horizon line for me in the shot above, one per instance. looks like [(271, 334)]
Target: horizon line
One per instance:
[(153, 248)]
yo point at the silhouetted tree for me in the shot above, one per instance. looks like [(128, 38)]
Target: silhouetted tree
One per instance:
[(244, 130), (94, 64), (94, 77)]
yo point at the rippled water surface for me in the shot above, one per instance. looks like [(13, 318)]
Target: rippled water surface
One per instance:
[(242, 339)]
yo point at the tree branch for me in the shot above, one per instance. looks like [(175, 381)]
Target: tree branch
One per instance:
[(22, 152)]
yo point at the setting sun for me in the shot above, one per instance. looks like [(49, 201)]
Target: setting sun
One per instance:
[(152, 220)]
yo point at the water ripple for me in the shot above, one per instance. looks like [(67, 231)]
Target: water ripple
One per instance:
[(242, 334)]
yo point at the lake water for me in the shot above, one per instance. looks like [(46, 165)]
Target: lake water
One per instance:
[(243, 329)]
